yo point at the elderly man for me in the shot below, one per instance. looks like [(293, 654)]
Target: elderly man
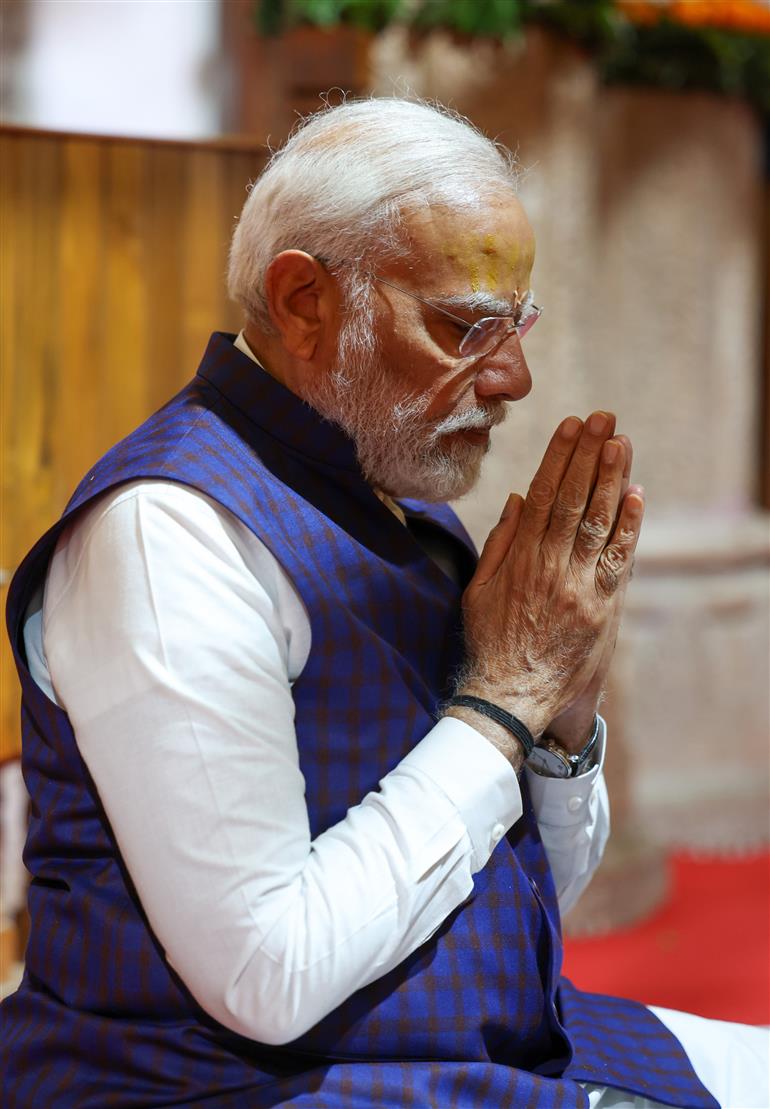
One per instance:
[(300, 833)]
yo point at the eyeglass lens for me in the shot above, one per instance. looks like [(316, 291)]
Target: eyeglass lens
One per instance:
[(495, 329)]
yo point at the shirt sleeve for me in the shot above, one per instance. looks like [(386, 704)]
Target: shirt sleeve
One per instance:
[(573, 815), (174, 659)]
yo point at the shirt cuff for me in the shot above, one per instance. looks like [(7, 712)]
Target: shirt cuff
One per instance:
[(477, 779), (563, 801)]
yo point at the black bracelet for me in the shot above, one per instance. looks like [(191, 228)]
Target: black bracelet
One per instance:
[(500, 716)]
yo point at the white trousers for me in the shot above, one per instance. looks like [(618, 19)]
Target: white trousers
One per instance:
[(731, 1060)]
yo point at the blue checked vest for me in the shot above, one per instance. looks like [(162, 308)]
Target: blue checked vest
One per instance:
[(477, 1016)]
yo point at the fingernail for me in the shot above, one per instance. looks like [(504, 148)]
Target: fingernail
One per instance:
[(610, 451), (597, 423), (570, 429)]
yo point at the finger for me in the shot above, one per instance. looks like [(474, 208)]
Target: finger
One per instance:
[(577, 485), (629, 459), (615, 561), (626, 469), (545, 484), (600, 517), (499, 540)]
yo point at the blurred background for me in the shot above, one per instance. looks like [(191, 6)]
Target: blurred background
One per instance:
[(130, 131)]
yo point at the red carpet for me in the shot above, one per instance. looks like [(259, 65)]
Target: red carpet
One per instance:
[(707, 950)]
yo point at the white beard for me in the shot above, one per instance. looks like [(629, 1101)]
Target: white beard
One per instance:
[(400, 451)]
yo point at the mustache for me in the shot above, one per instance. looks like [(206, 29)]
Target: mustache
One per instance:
[(474, 419)]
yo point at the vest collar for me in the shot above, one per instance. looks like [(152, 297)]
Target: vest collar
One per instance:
[(269, 405)]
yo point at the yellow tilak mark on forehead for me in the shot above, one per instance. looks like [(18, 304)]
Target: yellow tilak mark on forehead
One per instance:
[(483, 263), (492, 259)]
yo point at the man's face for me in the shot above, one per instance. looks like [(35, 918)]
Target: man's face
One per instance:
[(420, 414)]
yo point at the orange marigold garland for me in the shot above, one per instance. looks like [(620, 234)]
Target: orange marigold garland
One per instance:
[(751, 17)]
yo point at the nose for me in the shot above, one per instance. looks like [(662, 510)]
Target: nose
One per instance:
[(503, 374)]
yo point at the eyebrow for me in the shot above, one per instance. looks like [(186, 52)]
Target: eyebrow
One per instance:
[(479, 302)]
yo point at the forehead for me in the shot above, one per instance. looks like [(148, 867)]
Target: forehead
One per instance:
[(488, 247)]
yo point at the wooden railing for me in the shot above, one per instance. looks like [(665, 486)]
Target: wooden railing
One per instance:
[(113, 260)]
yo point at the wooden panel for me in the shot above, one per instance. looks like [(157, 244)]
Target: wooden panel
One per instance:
[(164, 275), (123, 368), (80, 331), (112, 262), (204, 247)]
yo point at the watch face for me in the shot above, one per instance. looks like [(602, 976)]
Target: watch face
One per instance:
[(549, 762)]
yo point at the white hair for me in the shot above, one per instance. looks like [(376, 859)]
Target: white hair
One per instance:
[(341, 185)]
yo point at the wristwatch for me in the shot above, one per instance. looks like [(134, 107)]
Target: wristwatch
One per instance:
[(550, 759)]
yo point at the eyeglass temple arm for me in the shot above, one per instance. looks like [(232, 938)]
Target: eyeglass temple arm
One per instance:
[(430, 304)]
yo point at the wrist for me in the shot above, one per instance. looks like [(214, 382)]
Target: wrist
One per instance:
[(553, 760), (573, 728), (523, 706), (508, 746)]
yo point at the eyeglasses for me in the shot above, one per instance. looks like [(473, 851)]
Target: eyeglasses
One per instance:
[(486, 334)]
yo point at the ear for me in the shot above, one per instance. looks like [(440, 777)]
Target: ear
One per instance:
[(302, 300)]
